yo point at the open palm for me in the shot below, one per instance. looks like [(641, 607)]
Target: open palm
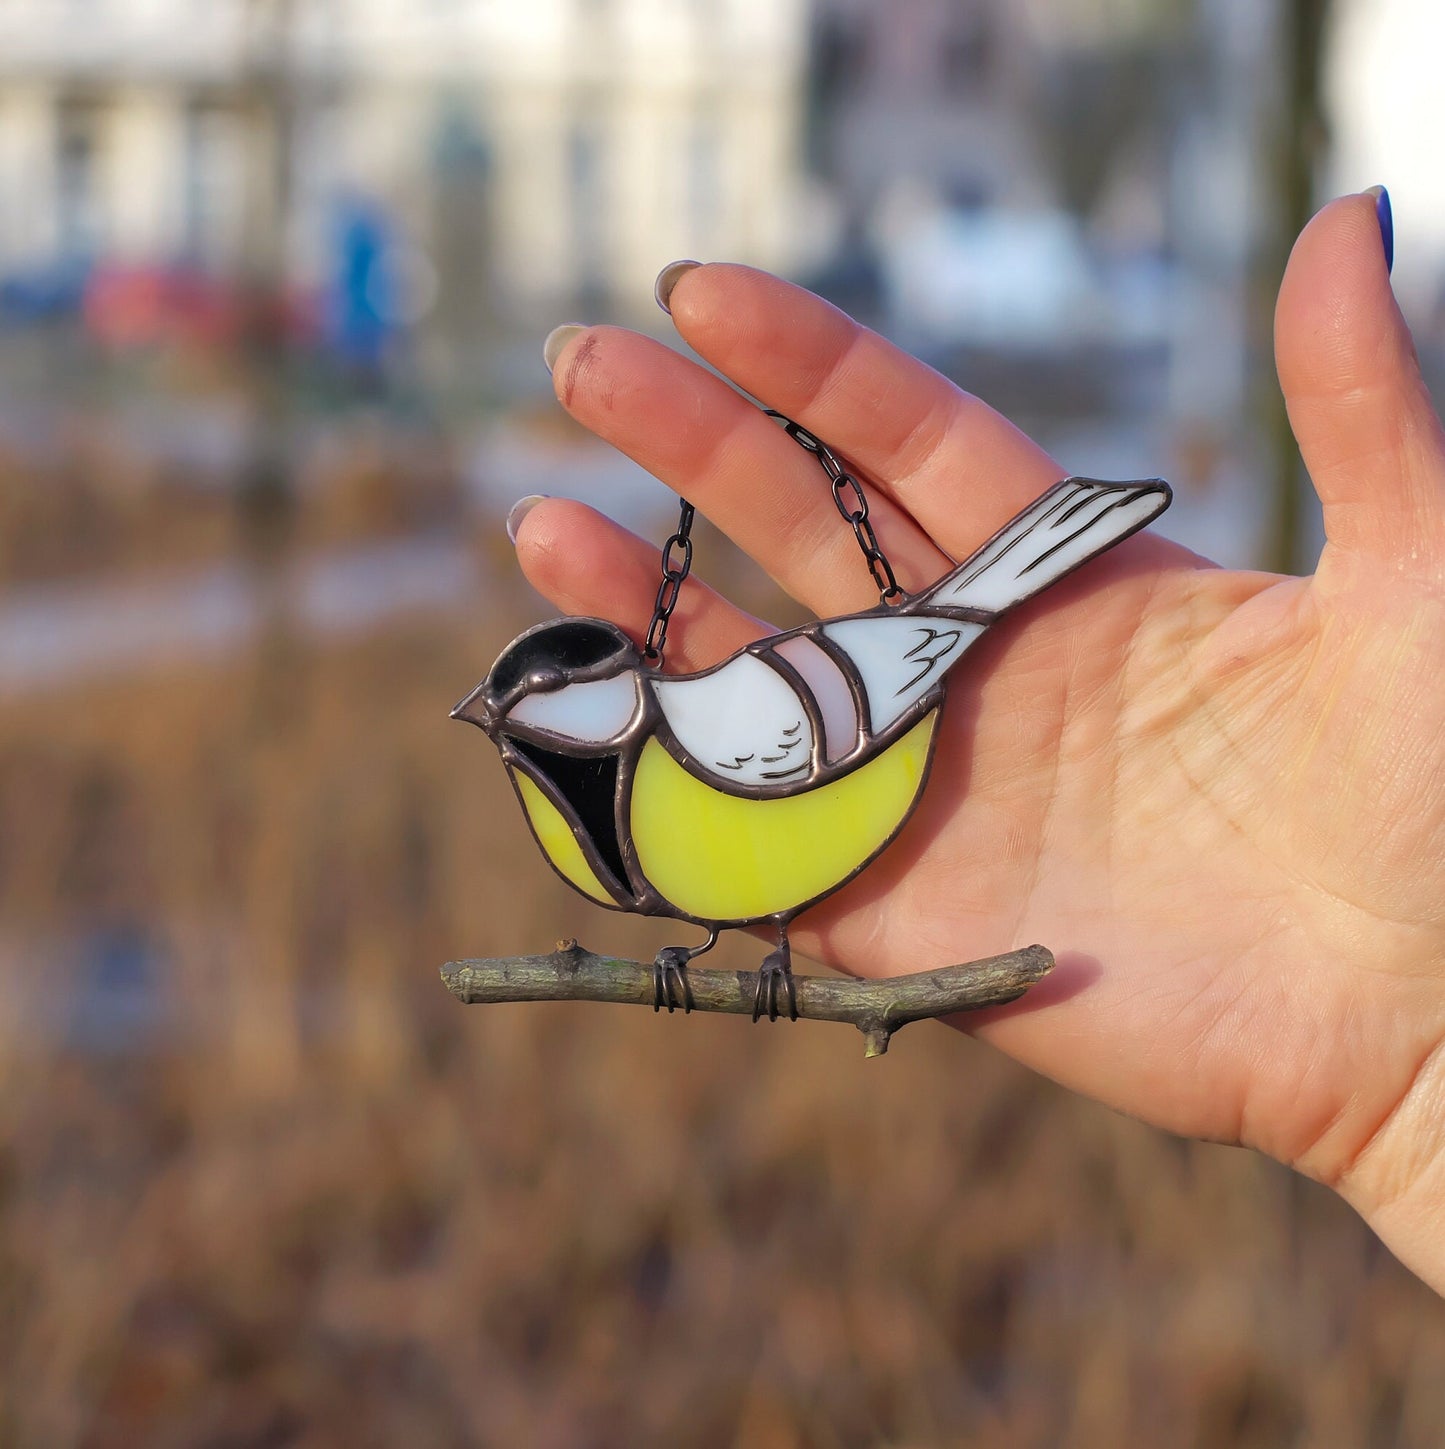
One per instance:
[(1218, 796)]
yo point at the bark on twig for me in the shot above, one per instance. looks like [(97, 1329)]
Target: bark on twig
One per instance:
[(877, 1008)]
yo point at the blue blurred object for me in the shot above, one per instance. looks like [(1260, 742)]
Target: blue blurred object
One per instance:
[(120, 1003), (363, 301), (46, 292)]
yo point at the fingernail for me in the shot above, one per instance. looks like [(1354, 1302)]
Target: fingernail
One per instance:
[(557, 340), (1386, 215), (520, 509), (667, 279)]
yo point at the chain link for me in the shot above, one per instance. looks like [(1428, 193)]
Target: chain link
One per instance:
[(853, 506), (849, 499), (673, 574)]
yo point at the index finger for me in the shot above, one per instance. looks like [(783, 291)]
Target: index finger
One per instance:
[(960, 468)]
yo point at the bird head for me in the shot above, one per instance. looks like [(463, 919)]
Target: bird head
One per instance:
[(573, 680)]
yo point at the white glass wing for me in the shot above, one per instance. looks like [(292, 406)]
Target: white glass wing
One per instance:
[(899, 657), (829, 686), (744, 724)]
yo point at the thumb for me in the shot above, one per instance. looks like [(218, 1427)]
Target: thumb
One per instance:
[(1364, 421)]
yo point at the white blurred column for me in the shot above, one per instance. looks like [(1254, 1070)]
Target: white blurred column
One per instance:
[(143, 176), (29, 212)]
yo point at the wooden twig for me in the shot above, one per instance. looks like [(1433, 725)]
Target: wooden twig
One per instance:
[(877, 1008)]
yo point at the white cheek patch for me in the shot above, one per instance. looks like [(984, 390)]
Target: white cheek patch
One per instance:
[(593, 712)]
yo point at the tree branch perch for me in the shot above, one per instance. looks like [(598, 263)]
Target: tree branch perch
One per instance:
[(877, 1008)]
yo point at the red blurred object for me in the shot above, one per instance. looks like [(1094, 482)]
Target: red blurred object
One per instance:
[(127, 307)]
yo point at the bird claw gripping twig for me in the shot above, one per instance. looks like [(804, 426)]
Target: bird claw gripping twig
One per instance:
[(774, 974), (670, 985)]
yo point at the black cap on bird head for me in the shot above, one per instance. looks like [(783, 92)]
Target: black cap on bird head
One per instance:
[(546, 658)]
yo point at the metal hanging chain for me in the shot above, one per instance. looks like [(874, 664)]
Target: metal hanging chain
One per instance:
[(851, 501), (673, 573), (848, 497)]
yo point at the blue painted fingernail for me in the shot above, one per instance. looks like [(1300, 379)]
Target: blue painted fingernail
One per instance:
[(1386, 217)]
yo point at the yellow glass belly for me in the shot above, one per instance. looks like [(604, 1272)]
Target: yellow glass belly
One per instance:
[(558, 843), (720, 857)]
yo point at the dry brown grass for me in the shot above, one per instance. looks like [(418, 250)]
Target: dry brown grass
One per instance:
[(96, 503), (328, 1206)]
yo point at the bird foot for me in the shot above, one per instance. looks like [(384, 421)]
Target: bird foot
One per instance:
[(775, 980), (670, 986)]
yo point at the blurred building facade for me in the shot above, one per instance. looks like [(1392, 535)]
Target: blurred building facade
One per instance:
[(546, 152)]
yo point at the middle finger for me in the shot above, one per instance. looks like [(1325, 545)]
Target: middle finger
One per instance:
[(704, 440)]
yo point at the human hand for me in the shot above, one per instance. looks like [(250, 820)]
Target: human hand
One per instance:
[(1219, 796)]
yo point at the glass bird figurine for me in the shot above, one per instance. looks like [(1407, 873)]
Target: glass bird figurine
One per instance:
[(744, 793)]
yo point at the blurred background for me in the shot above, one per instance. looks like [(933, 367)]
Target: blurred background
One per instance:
[(274, 276)]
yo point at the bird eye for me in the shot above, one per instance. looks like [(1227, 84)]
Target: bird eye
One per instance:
[(545, 680)]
